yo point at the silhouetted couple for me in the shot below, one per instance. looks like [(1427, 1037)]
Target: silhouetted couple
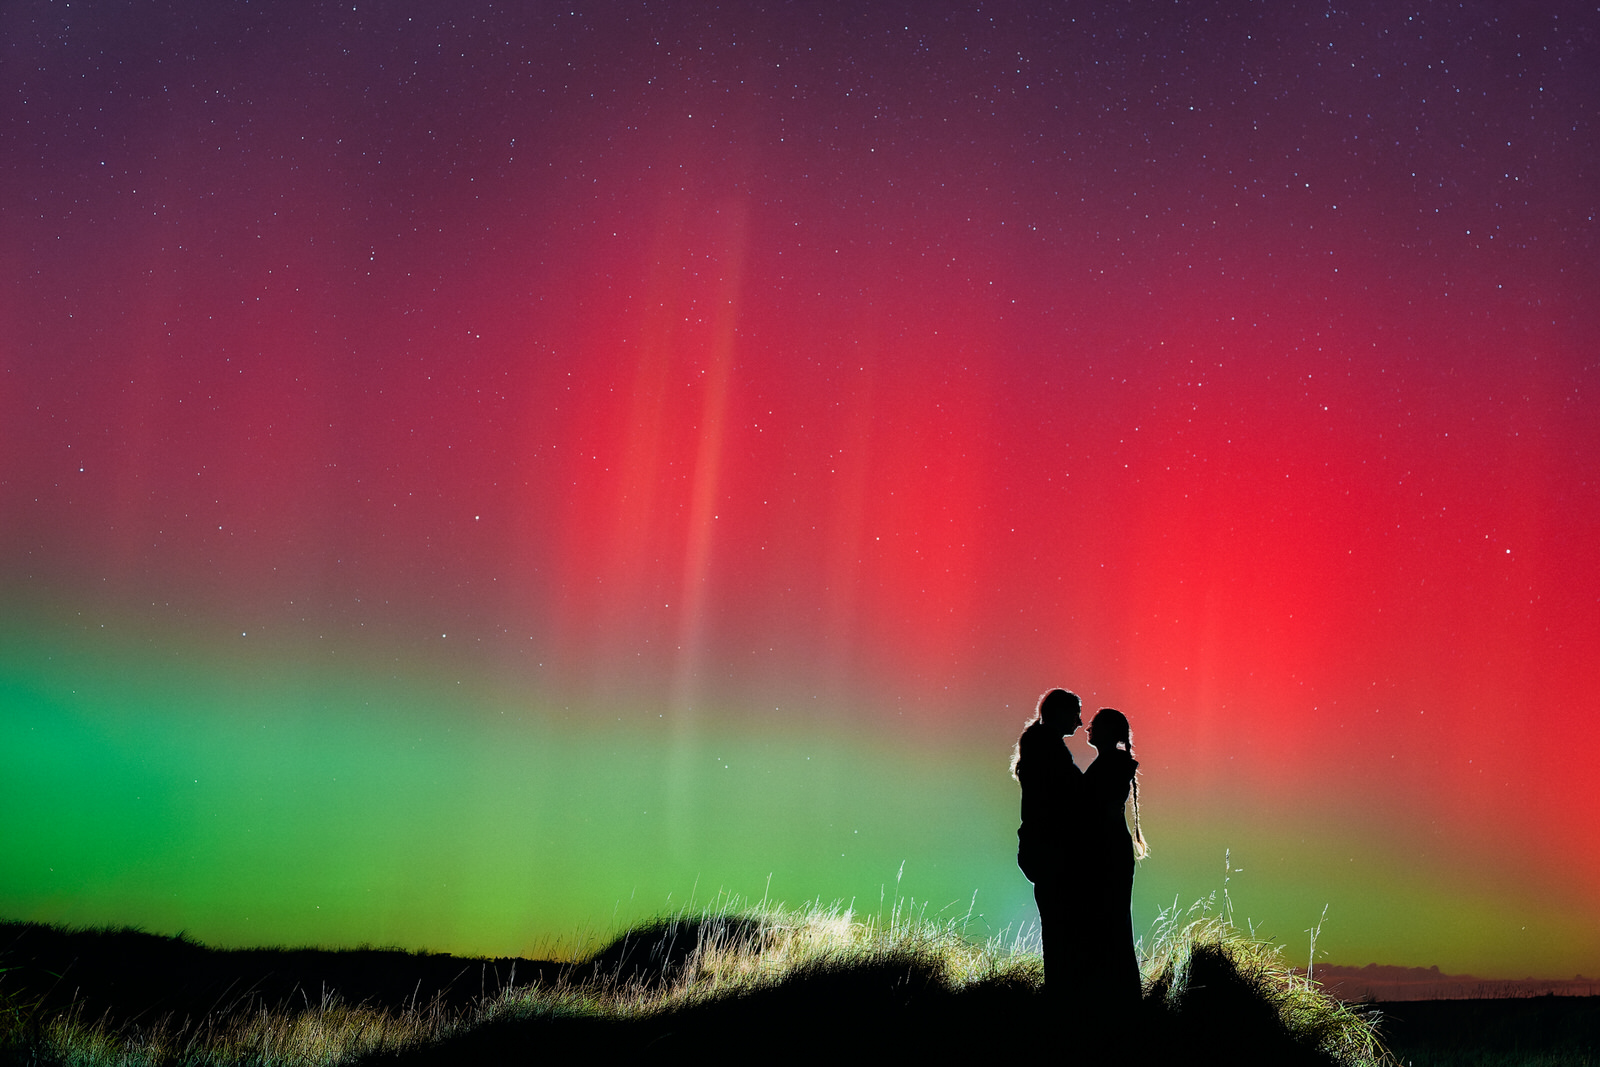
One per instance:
[(1075, 848)]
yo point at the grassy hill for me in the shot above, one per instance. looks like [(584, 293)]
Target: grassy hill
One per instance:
[(768, 985)]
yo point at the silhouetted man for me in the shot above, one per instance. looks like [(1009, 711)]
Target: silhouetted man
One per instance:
[(1052, 787)]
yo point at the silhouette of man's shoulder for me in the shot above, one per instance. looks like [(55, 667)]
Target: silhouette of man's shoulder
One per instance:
[(1035, 740), (1033, 732), (1041, 747)]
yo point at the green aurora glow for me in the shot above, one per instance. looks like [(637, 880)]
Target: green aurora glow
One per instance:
[(264, 802)]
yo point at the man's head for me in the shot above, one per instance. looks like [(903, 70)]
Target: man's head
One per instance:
[(1060, 709)]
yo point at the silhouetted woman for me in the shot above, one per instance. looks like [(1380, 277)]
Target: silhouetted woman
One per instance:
[(1052, 797), (1110, 962)]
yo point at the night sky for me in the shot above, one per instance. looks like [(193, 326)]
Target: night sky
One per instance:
[(475, 474)]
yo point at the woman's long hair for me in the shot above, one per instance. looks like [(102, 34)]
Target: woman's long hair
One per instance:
[(1124, 737), (1141, 848)]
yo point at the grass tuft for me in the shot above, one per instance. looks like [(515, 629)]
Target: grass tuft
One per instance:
[(1217, 983)]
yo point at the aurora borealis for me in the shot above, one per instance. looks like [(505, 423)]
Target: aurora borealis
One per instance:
[(475, 474)]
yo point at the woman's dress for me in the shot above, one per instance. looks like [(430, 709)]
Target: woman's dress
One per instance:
[(1110, 962)]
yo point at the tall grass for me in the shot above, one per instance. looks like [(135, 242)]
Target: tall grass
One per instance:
[(724, 975), (1238, 989), (329, 1033)]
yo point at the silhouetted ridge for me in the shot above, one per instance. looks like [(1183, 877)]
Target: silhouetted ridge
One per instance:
[(771, 987), (656, 953), (125, 975)]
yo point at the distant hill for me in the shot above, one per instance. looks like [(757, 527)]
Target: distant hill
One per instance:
[(1385, 983)]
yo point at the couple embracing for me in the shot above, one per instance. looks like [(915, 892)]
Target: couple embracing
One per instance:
[(1074, 846)]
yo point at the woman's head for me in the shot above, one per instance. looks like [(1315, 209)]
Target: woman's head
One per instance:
[(1110, 729)]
